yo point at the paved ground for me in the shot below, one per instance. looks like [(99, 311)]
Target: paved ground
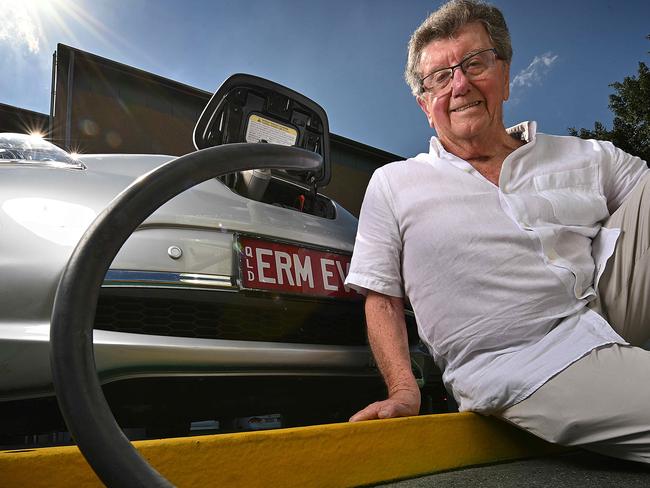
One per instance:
[(577, 469)]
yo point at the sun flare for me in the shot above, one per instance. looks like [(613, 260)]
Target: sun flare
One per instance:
[(29, 24)]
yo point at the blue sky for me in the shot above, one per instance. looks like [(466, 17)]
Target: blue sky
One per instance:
[(347, 55)]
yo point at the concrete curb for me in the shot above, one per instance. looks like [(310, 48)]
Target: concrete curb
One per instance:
[(334, 455)]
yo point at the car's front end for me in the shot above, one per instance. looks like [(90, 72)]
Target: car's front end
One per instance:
[(226, 302)]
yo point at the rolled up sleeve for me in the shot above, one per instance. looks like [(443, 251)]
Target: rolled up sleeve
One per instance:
[(620, 173)]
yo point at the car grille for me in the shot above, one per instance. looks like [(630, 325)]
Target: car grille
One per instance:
[(271, 320)]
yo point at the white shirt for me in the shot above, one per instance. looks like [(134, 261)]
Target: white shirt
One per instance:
[(498, 277)]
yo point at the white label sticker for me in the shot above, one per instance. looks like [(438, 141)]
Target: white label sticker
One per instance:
[(265, 130)]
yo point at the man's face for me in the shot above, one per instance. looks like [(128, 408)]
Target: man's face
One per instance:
[(465, 109)]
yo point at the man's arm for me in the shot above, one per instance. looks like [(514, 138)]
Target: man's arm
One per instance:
[(620, 173), (389, 343)]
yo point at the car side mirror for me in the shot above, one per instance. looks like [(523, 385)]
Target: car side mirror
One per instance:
[(251, 109)]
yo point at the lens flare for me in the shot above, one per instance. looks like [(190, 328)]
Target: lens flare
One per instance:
[(37, 24)]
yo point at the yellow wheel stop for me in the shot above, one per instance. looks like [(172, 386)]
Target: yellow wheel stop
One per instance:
[(333, 455)]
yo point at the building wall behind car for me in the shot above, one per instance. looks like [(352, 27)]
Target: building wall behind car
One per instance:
[(101, 106), (22, 121)]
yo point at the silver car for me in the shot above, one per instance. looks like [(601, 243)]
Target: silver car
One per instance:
[(226, 303)]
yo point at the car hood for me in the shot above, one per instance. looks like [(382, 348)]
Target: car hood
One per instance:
[(209, 205), (45, 211)]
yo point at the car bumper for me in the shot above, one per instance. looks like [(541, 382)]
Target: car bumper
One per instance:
[(25, 368)]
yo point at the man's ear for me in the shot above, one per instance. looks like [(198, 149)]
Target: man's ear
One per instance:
[(422, 102), (506, 91)]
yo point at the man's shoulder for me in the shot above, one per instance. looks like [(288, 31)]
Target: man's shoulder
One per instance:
[(565, 143), (569, 140), (406, 165), (400, 175)]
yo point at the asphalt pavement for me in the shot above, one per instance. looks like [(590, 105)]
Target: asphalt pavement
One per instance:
[(576, 469)]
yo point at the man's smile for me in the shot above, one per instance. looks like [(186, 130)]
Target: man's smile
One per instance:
[(466, 106)]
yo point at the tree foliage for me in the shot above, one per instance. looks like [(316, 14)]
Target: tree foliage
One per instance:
[(631, 107)]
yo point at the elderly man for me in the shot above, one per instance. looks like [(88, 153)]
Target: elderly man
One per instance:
[(524, 256)]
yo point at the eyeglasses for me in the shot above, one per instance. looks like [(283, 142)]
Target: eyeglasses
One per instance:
[(472, 66)]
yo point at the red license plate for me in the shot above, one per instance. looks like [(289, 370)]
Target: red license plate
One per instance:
[(286, 268)]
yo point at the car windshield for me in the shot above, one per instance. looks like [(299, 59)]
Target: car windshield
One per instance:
[(35, 150)]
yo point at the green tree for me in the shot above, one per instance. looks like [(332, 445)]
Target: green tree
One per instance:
[(631, 107)]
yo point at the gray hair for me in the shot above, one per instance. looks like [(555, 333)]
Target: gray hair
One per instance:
[(445, 22)]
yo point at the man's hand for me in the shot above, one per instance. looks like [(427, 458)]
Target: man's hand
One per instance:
[(402, 403), (389, 343)]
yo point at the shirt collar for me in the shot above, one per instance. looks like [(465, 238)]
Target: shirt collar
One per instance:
[(526, 130)]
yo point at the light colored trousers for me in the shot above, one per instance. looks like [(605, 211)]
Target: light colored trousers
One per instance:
[(602, 401)]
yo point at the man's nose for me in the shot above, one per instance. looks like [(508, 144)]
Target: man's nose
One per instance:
[(459, 82)]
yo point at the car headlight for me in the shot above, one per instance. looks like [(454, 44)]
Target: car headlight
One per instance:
[(33, 150)]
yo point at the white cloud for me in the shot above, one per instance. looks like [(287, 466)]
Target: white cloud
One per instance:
[(17, 27), (536, 70)]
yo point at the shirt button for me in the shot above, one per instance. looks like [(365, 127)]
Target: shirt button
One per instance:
[(552, 255)]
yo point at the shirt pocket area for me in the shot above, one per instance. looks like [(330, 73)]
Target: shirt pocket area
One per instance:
[(574, 195)]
